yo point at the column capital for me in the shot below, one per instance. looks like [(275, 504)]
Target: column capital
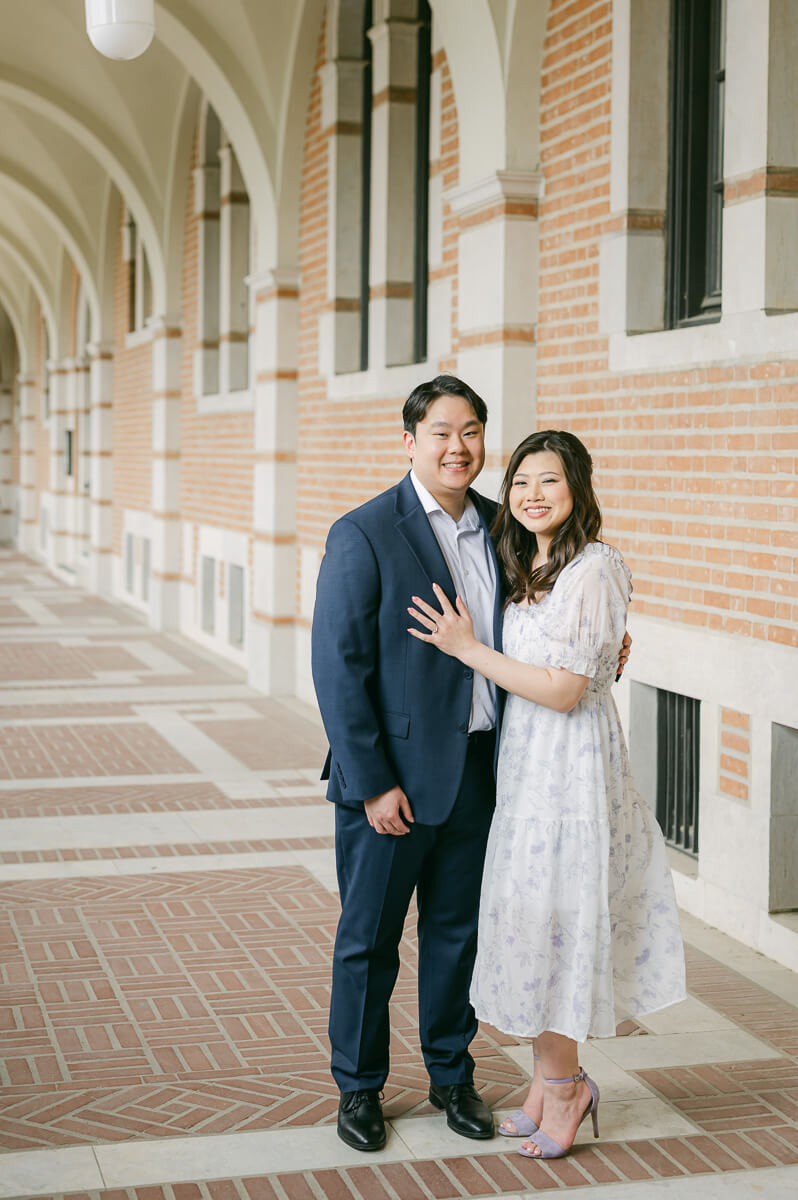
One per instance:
[(279, 282), (501, 187), (26, 381), (165, 325), (99, 350)]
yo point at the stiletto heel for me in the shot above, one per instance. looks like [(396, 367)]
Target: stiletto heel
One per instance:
[(524, 1125), (547, 1145)]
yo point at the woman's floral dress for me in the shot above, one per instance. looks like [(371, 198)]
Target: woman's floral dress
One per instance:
[(578, 926)]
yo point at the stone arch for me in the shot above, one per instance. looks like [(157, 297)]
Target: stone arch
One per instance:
[(108, 152), (24, 264), (240, 108), (15, 321)]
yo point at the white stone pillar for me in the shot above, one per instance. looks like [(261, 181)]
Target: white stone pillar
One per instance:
[(206, 210), (393, 181), (57, 548), (82, 418), (272, 600), (234, 269), (100, 466), (498, 283), (342, 123), (166, 550), (28, 499), (760, 216), (632, 256), (6, 486)]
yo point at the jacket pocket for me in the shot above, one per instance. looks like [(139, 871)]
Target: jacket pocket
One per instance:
[(396, 724)]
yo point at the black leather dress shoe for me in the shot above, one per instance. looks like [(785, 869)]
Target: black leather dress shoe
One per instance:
[(466, 1112), (360, 1121)]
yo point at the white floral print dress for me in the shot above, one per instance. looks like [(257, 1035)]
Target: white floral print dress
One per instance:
[(578, 926)]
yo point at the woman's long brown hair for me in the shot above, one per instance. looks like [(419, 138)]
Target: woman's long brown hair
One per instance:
[(516, 546)]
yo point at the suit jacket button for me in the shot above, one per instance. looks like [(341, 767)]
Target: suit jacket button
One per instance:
[(468, 674), (464, 727)]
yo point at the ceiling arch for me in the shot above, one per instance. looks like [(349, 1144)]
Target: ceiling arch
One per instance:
[(20, 256)]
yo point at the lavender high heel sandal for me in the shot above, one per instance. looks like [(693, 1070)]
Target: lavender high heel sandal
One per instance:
[(524, 1125), (547, 1145)]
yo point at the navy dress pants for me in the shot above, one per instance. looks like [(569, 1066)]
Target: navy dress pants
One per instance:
[(377, 874)]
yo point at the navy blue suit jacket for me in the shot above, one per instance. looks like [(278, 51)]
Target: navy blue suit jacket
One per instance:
[(395, 709)]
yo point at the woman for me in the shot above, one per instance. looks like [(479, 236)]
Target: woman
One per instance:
[(578, 925)]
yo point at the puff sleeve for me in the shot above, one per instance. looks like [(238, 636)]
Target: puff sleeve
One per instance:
[(588, 618)]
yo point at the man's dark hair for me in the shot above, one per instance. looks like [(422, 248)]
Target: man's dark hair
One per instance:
[(421, 397)]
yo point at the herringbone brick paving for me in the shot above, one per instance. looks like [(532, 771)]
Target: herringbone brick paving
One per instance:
[(146, 1007)]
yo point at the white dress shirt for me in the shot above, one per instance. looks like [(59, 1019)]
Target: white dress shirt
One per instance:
[(464, 546)]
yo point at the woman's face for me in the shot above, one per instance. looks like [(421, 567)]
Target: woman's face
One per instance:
[(540, 498)]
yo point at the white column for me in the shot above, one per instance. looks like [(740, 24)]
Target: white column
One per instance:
[(498, 277), (273, 586), (206, 209), (6, 486), (100, 466), (82, 418), (760, 217), (342, 122), (393, 156), (57, 549), (632, 256), (166, 550), (234, 269), (28, 499)]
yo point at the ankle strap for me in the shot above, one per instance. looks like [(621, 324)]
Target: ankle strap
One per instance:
[(568, 1078)]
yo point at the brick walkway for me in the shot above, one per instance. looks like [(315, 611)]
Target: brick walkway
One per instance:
[(167, 910)]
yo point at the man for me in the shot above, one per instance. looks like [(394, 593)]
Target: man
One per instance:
[(412, 740)]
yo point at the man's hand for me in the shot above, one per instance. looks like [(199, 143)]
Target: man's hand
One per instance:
[(385, 813), (623, 657)]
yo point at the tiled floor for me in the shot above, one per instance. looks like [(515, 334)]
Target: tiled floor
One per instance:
[(167, 909)]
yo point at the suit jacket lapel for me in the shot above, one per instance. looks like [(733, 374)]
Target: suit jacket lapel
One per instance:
[(412, 523)]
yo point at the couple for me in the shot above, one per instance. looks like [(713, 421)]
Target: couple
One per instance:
[(577, 919)]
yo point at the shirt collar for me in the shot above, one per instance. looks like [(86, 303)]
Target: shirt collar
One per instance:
[(470, 517)]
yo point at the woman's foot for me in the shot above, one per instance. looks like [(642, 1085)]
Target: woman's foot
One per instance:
[(565, 1106), (532, 1109)]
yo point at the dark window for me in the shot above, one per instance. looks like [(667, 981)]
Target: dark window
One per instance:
[(422, 181), (678, 742), (365, 187), (68, 466), (131, 275), (695, 200)]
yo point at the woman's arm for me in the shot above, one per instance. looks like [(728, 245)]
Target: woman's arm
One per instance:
[(453, 632)]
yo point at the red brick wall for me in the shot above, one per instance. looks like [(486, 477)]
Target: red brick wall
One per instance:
[(351, 449), (216, 463), (697, 468)]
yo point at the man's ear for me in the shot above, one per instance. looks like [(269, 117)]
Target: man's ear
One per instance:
[(410, 444)]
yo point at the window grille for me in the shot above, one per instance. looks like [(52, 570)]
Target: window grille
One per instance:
[(208, 602), (235, 605), (678, 749)]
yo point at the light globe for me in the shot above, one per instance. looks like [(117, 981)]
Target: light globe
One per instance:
[(120, 29)]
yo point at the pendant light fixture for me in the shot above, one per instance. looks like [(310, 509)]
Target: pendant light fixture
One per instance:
[(120, 29)]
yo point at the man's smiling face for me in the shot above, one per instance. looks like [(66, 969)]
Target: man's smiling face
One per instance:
[(448, 451)]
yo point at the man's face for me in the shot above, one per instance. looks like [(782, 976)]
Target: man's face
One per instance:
[(448, 451)]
